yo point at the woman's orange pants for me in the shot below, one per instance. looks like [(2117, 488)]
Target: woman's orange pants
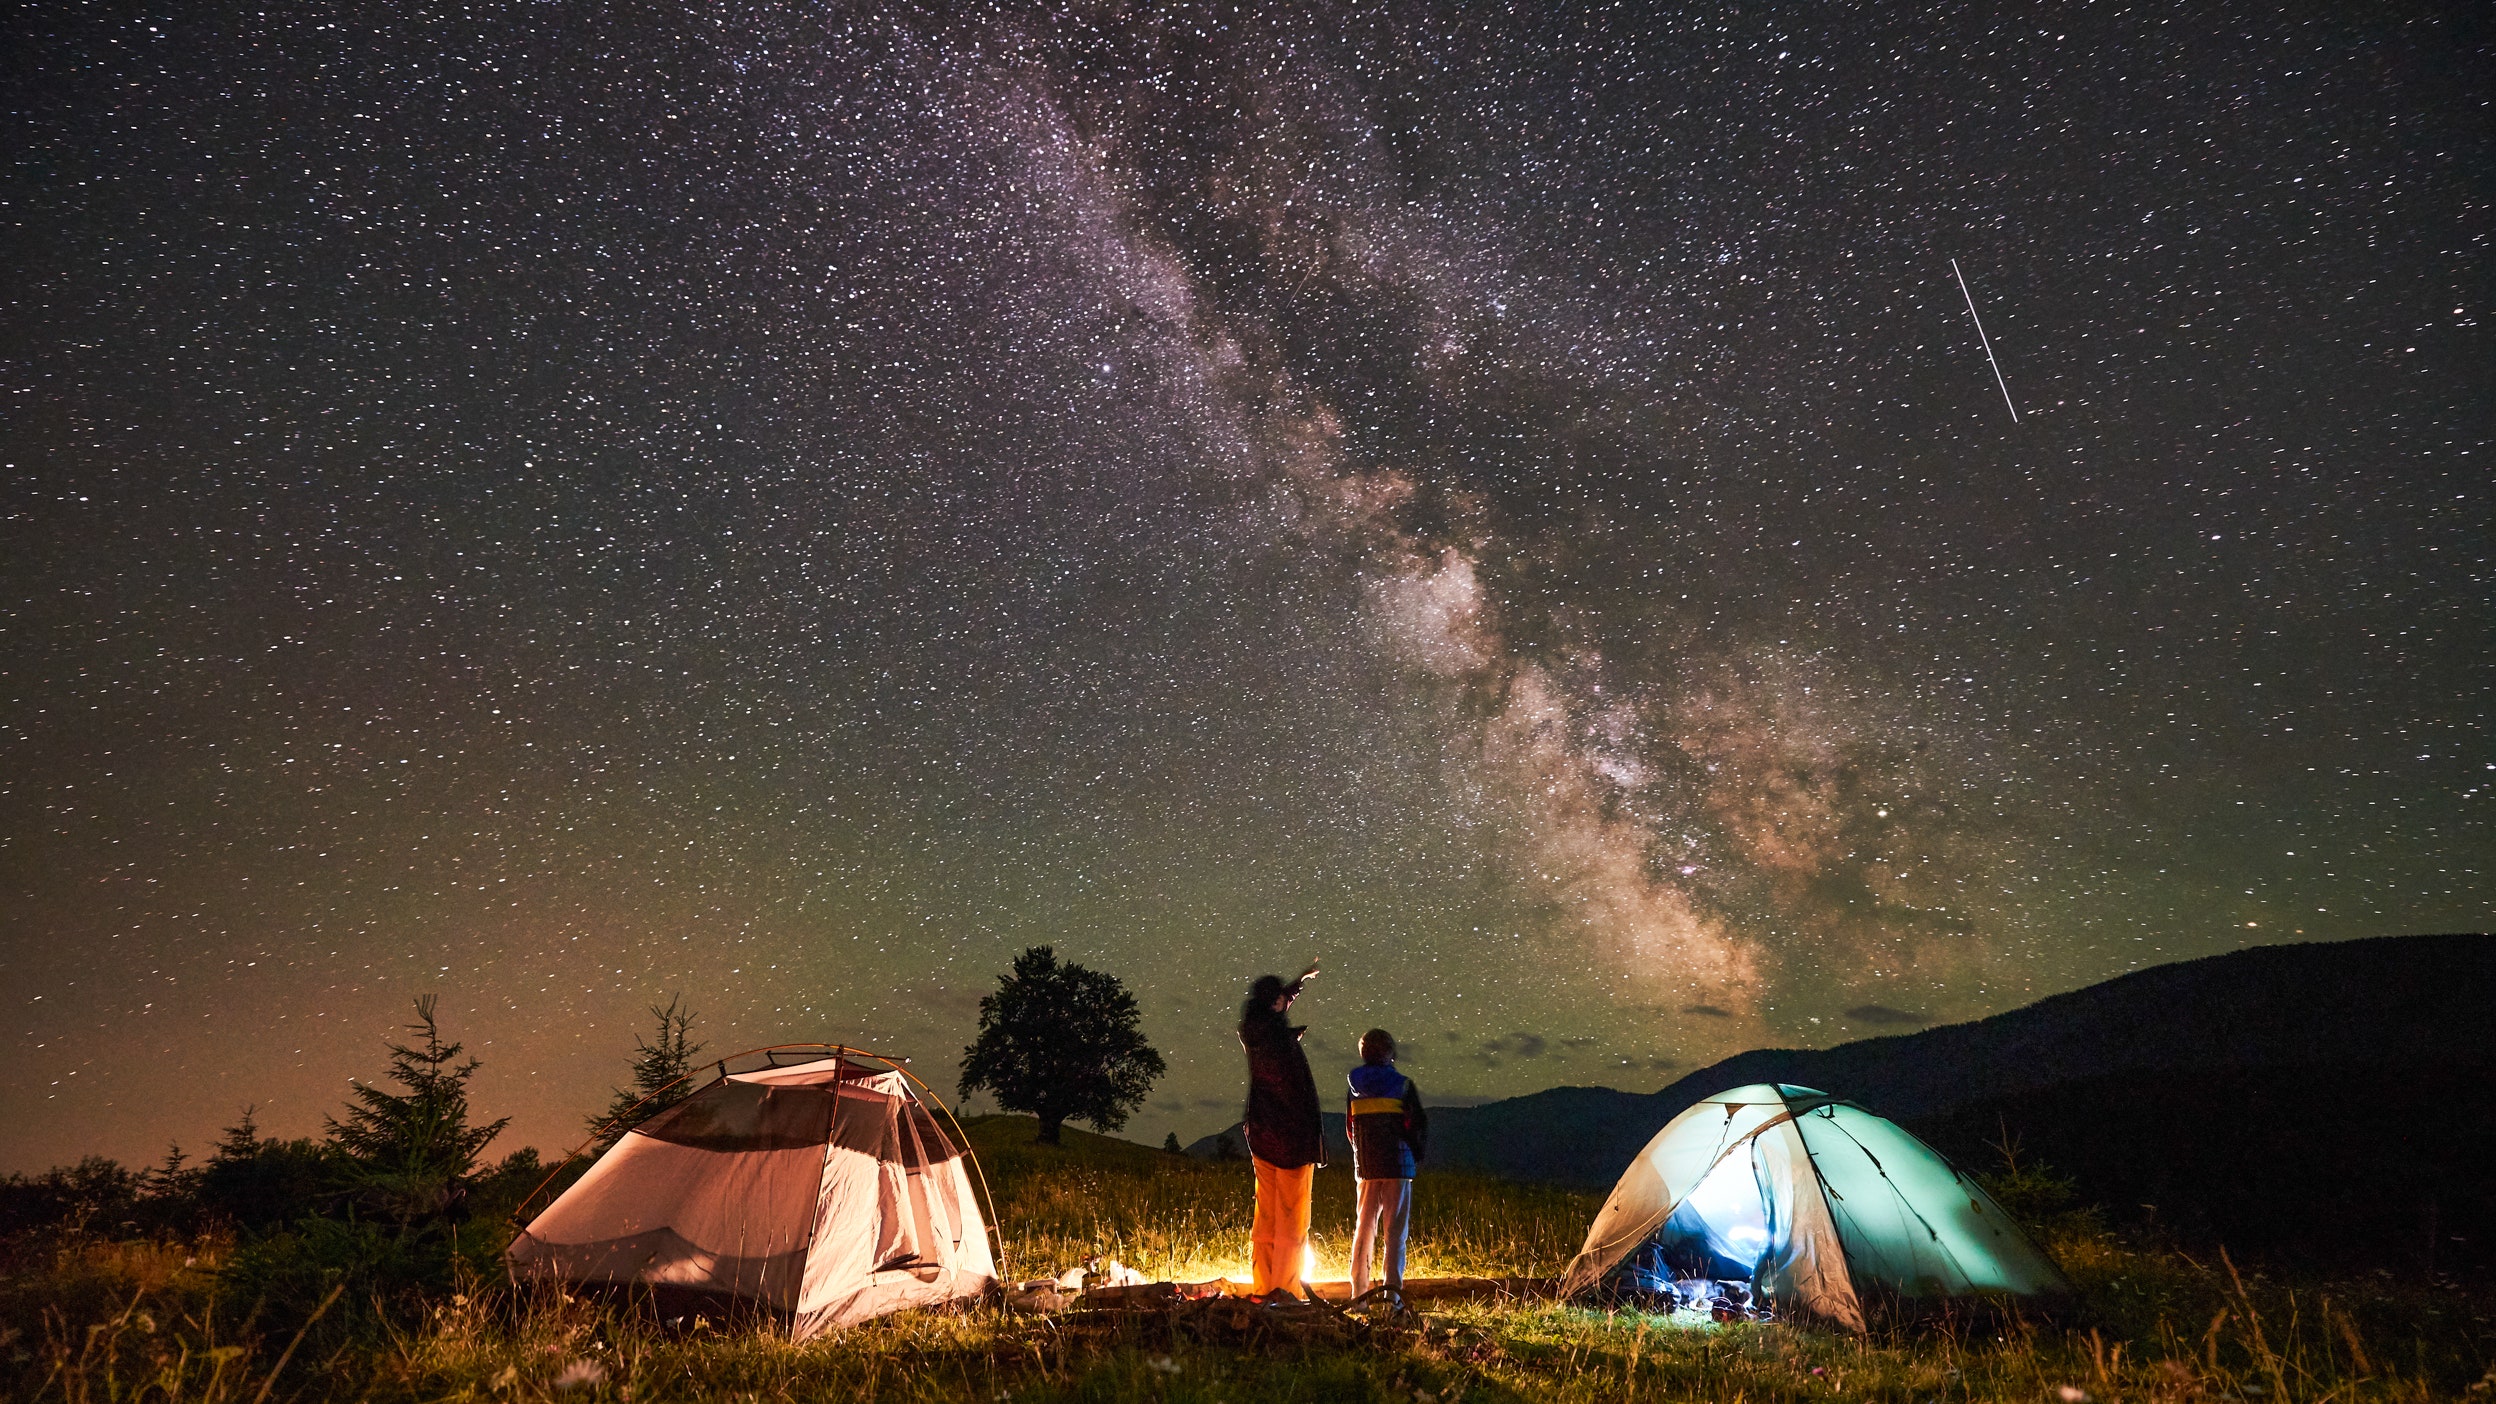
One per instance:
[(1281, 1234)]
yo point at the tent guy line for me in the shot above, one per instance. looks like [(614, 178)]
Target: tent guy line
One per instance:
[(1986, 340)]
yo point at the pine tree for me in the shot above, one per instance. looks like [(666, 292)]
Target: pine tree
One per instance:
[(411, 1154), (169, 1194), (661, 1076), (1061, 1042), (241, 1140), (249, 1182)]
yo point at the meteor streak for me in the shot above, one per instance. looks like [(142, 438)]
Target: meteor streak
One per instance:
[(1988, 341)]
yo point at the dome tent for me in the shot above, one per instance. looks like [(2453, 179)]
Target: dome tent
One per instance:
[(823, 1190), (1821, 1206)]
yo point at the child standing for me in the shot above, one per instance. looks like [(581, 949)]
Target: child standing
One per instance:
[(1385, 1122)]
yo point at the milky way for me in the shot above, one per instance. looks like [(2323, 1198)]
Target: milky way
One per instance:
[(561, 506)]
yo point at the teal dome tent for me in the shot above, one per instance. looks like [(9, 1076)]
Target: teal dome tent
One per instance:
[(1823, 1208)]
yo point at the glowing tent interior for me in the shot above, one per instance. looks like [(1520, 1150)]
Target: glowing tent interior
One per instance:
[(1820, 1207), (823, 1190)]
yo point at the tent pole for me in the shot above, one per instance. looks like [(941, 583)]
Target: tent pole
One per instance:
[(517, 1221)]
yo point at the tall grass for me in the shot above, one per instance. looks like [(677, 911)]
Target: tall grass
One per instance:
[(1182, 1220), (97, 1322)]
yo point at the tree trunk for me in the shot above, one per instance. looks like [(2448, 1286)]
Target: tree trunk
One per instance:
[(1048, 1128)]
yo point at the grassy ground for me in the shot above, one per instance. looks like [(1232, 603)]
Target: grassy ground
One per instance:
[(99, 1321), (1181, 1220)]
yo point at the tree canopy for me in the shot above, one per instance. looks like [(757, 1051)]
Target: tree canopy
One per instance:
[(1061, 1042)]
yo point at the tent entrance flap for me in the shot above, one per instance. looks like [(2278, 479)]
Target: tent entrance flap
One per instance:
[(1719, 1231)]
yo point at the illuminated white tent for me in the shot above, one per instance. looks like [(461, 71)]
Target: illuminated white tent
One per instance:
[(823, 1190), (1821, 1206)]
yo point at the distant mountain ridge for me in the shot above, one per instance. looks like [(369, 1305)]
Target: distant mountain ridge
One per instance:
[(2387, 1002), (2389, 999)]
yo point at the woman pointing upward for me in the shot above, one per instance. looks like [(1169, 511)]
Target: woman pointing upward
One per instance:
[(1284, 1135)]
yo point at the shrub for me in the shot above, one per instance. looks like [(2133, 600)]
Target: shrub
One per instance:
[(253, 1183)]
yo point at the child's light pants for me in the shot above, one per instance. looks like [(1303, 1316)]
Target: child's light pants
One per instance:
[(1386, 1215)]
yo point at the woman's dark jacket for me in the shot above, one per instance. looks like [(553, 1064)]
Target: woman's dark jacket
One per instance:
[(1283, 1127)]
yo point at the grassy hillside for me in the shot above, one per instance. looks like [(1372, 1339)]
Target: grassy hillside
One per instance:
[(2333, 1167), (89, 1319)]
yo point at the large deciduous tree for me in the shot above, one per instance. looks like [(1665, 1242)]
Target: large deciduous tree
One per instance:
[(1061, 1042)]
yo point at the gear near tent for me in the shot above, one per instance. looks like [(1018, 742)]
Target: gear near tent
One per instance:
[(1821, 1207), (823, 1190)]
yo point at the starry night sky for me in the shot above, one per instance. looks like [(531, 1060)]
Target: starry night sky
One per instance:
[(560, 505)]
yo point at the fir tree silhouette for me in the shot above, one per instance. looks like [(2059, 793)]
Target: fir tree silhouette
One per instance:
[(661, 1078), (411, 1154)]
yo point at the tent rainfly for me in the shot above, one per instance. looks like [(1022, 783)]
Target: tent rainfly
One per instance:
[(1820, 1206), (822, 1190)]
